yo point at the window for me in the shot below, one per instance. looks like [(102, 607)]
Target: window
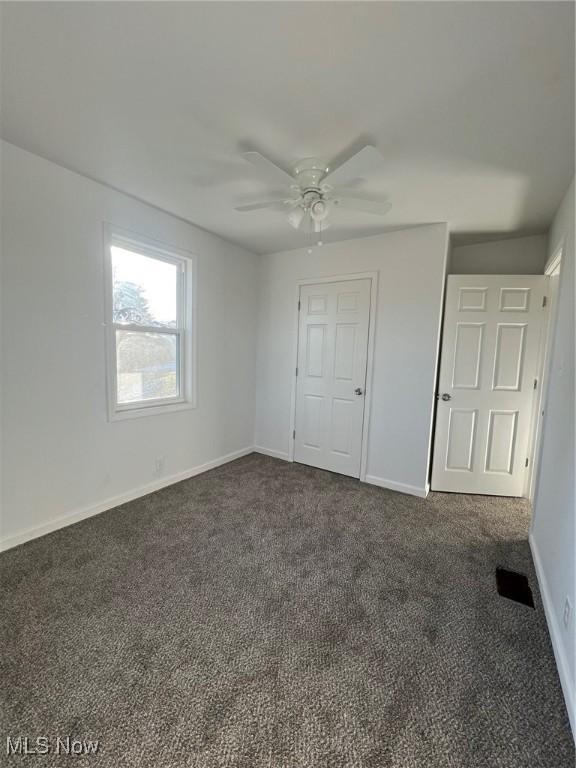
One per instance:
[(149, 327)]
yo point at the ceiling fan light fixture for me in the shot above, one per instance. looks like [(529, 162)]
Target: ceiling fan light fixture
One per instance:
[(295, 217), (319, 210)]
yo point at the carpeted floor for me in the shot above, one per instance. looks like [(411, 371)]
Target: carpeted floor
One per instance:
[(270, 614)]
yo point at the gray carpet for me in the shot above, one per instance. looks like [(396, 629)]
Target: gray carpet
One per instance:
[(270, 614)]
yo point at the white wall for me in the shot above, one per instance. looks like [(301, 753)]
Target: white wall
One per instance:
[(61, 455), (411, 265), (515, 256), (553, 536)]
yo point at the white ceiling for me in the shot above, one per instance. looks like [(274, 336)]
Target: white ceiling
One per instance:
[(471, 104)]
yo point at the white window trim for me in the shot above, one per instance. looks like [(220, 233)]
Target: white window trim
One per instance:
[(186, 325)]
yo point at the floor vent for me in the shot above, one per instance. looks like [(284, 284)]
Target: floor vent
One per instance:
[(514, 586)]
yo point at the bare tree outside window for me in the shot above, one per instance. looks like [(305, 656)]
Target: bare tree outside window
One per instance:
[(147, 321)]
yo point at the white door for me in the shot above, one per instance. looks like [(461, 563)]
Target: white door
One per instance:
[(490, 348), (331, 375)]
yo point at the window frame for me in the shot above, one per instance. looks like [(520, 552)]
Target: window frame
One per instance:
[(185, 329)]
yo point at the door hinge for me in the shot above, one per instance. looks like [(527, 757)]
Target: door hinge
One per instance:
[(526, 463), (296, 370), (293, 434), (535, 383), (544, 300), (299, 305)]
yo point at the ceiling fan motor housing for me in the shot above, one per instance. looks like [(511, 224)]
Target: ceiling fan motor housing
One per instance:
[(309, 173)]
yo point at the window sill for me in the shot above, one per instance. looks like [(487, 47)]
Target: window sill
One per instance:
[(150, 410)]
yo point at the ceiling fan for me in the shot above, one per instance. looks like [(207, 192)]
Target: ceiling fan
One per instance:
[(314, 189)]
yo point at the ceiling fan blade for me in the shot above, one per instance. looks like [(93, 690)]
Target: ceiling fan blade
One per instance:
[(377, 207), (269, 169), (274, 205), (363, 163)]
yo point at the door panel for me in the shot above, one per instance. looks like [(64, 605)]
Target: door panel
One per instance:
[(514, 299), (509, 356), (316, 345), (342, 425), (472, 299), (461, 435), (332, 354), (491, 336), (501, 441), (467, 355), (317, 305), (313, 407), (344, 352)]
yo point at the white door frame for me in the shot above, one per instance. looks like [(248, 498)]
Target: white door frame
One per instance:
[(547, 343), (373, 277)]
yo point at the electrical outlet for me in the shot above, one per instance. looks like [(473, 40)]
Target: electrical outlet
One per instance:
[(159, 466), (567, 612)]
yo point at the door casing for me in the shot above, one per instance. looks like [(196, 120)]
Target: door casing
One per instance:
[(553, 271)]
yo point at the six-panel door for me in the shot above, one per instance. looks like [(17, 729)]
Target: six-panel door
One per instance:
[(331, 381), (490, 345)]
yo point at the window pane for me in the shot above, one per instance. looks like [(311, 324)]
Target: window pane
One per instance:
[(147, 366), (145, 289)]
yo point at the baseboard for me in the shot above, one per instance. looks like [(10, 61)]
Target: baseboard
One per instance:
[(554, 630), (392, 485), (74, 517), (270, 452)]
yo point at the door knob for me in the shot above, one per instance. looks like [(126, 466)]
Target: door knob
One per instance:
[(446, 397), (358, 391)]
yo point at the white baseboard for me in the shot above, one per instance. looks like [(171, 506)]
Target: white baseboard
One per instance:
[(555, 630), (73, 517), (392, 485), (270, 452)]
